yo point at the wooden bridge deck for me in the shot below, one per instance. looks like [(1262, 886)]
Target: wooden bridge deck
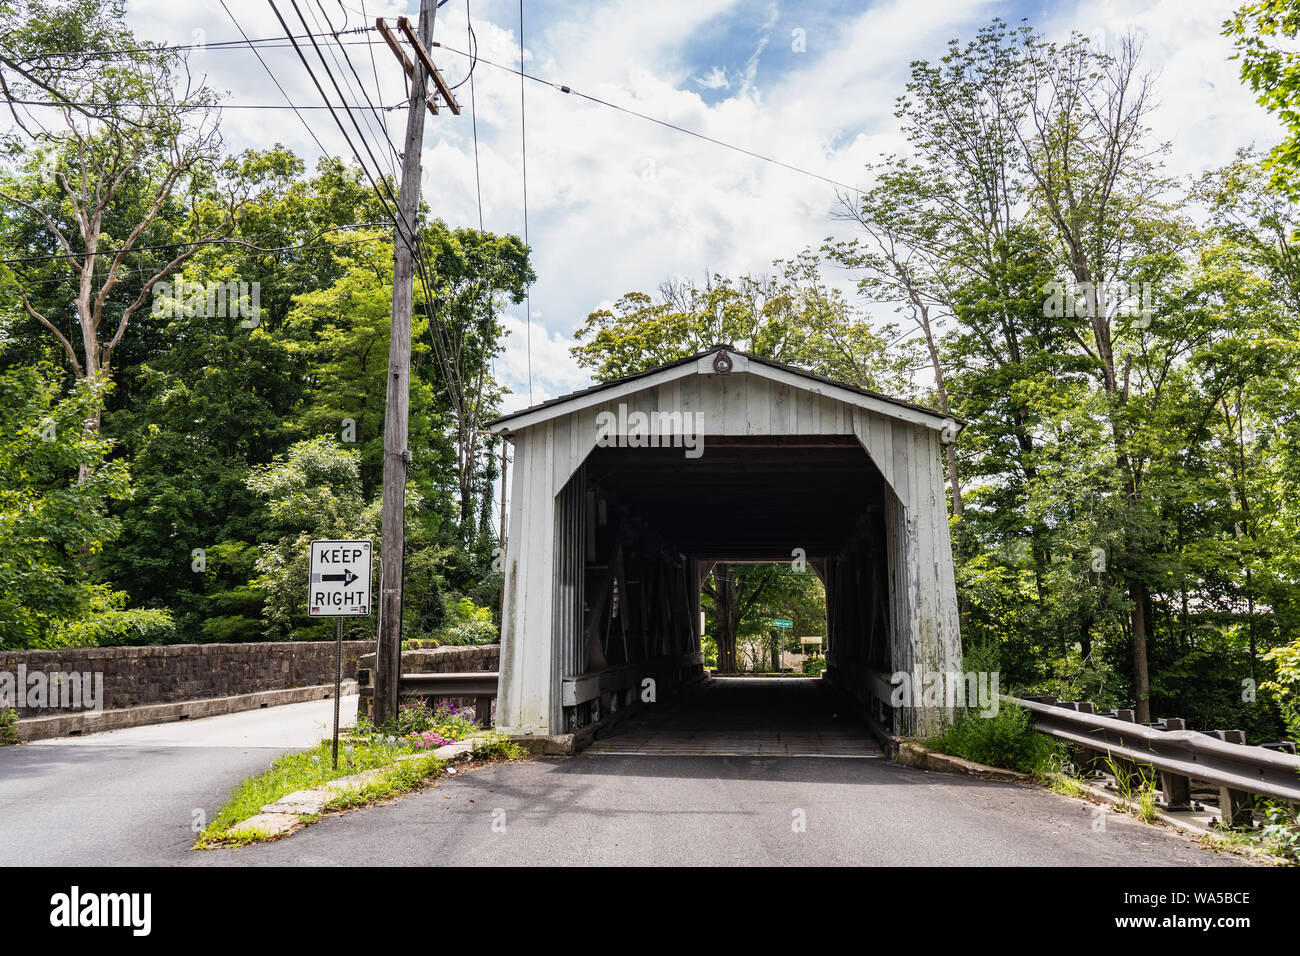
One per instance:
[(771, 717)]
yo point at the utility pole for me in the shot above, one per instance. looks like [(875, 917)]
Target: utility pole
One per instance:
[(397, 457)]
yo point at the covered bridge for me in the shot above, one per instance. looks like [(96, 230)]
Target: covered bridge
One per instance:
[(626, 494)]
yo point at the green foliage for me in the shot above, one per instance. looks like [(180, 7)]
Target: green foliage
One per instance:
[(301, 771), (213, 415), (108, 622), (1281, 834), (814, 665), (497, 747), (792, 316), (467, 623), (8, 727), (313, 491), (425, 727), (1008, 739), (1285, 689), (1263, 34), (54, 520)]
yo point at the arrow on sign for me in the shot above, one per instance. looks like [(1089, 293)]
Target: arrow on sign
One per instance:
[(347, 577)]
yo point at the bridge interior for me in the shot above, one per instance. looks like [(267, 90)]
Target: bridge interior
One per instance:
[(747, 716), (639, 528)]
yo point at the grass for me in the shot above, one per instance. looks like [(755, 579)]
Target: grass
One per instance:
[(405, 764), (1056, 775), (396, 780), (1279, 838), (301, 771), (1141, 802), (1007, 739), (8, 727)]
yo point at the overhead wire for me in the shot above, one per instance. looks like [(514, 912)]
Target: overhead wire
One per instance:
[(402, 229), (474, 58), (523, 166)]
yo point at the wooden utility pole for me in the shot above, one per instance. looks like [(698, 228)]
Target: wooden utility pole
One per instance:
[(397, 457), (501, 600)]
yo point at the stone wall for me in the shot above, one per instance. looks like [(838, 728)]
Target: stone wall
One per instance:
[(459, 659), (138, 676), (444, 660)]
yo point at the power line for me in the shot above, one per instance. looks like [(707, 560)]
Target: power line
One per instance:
[(523, 165), (473, 113), (412, 243), (652, 119), (359, 85), (374, 68), (203, 242), (197, 106), (265, 42), (272, 42), (278, 86)]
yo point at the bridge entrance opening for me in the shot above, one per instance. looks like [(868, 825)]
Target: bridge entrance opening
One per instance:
[(653, 546)]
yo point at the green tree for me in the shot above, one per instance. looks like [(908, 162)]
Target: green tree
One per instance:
[(1264, 34), (51, 523)]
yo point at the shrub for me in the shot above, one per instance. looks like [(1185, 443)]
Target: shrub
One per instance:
[(467, 623), (8, 727), (420, 726), (814, 665), (110, 623), (1007, 739)]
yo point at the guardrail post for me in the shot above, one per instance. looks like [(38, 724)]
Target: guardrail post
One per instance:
[(1087, 761), (483, 711), (1234, 805), (1175, 789)]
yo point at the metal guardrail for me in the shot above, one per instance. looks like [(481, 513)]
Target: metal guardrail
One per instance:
[(1179, 754), (465, 684), (481, 685)]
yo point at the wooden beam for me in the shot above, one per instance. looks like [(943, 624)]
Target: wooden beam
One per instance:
[(387, 33), (405, 26)]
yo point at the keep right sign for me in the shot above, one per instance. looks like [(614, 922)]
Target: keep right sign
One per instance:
[(339, 585)]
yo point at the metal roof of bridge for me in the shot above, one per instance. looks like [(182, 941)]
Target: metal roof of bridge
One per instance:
[(753, 364)]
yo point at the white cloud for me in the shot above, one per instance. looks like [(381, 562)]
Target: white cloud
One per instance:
[(617, 203), (716, 79), (553, 370)]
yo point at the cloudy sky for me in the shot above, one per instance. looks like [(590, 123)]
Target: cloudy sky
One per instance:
[(617, 203)]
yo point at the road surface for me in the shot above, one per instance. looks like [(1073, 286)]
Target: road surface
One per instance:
[(748, 773)]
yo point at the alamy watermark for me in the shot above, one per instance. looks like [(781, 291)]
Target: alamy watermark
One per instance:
[(638, 429), (37, 690), (1088, 300), (975, 689), (210, 300)]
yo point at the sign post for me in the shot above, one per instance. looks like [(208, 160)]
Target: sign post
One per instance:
[(339, 586), (783, 623)]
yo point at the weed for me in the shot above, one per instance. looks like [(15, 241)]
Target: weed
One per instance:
[(8, 727), (1007, 739)]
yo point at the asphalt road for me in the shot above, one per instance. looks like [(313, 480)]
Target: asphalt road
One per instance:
[(135, 797), (673, 790), (622, 810)]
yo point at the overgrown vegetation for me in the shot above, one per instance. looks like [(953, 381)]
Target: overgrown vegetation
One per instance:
[(402, 751), (1008, 739), (156, 484), (8, 727), (301, 771)]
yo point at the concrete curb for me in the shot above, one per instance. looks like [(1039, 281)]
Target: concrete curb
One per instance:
[(923, 758), (84, 722), (284, 816)]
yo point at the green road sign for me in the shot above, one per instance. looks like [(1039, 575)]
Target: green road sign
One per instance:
[(782, 622)]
